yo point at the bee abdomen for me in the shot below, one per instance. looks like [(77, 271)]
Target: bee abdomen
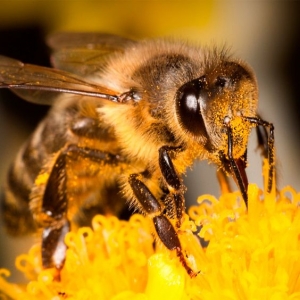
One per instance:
[(17, 216)]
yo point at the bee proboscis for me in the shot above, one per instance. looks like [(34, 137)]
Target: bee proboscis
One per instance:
[(127, 119)]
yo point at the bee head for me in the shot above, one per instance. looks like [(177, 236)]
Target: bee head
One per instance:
[(207, 106)]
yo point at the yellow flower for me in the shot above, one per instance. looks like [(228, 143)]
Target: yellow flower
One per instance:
[(252, 254)]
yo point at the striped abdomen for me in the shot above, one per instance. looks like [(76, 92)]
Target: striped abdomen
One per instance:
[(88, 183), (20, 180)]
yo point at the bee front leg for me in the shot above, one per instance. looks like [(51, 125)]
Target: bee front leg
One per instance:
[(156, 211)]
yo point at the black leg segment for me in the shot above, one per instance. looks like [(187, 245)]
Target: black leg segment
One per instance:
[(167, 168), (53, 245), (166, 232), (145, 198), (55, 199)]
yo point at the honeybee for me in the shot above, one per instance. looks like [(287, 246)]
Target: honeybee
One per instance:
[(127, 119)]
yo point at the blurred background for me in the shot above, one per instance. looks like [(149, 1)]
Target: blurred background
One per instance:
[(263, 33)]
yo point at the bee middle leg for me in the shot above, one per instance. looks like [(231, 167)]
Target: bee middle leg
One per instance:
[(158, 211)]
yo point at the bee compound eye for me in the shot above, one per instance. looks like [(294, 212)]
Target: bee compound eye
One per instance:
[(188, 107), (189, 102)]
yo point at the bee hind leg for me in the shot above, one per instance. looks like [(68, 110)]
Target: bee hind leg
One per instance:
[(55, 204)]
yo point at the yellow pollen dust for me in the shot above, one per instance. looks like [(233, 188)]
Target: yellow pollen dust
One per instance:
[(42, 179), (248, 254), (240, 134)]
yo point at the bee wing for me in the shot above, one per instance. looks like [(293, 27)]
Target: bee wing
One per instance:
[(84, 53), (41, 85), (87, 40)]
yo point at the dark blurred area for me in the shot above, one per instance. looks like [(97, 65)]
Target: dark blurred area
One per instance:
[(289, 67), (263, 33), (287, 61), (26, 44), (18, 117)]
